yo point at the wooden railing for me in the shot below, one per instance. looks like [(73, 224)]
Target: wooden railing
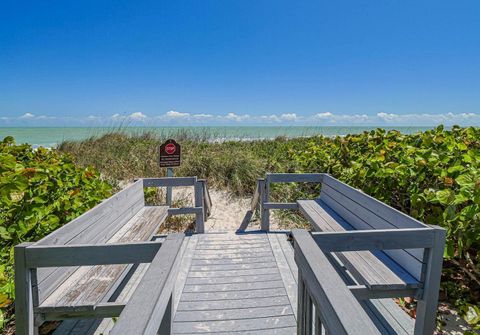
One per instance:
[(261, 196), (150, 310), (202, 201), (325, 303)]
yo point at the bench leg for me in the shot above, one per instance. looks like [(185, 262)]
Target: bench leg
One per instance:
[(425, 323), (166, 325), (24, 320)]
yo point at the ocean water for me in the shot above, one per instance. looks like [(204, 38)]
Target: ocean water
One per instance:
[(51, 137)]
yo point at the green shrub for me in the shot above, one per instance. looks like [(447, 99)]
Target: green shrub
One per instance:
[(40, 190)]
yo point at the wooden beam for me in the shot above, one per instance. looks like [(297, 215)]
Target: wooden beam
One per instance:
[(100, 311), (185, 210), (280, 205), (379, 239), (295, 177), (173, 181), (90, 254), (362, 292)]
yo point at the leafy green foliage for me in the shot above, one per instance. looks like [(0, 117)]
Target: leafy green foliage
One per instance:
[(40, 190)]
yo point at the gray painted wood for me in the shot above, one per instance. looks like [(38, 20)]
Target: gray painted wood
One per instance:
[(368, 268), (265, 212), (228, 292), (90, 285), (280, 205), (23, 292), (151, 300), (199, 203), (295, 177), (427, 304), (164, 182), (339, 311), (287, 277), (95, 226), (91, 254), (379, 239)]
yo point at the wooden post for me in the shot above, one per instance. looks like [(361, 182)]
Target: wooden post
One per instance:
[(199, 216), (23, 293), (265, 224), (427, 306), (169, 188)]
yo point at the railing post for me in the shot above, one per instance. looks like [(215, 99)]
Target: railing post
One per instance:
[(24, 319), (199, 217), (265, 219), (425, 322)]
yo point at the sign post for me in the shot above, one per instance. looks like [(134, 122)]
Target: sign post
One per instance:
[(169, 157)]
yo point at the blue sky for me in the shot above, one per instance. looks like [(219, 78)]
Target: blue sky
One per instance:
[(395, 62)]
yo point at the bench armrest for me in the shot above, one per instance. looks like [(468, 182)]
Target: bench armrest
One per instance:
[(38, 256), (379, 239)]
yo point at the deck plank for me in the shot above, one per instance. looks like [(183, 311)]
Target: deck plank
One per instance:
[(234, 285)]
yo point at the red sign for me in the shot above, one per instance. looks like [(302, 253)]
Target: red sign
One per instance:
[(170, 154), (170, 148)]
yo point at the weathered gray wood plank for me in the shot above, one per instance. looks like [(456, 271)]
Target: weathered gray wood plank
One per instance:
[(236, 303), (234, 325), (285, 272), (228, 314)]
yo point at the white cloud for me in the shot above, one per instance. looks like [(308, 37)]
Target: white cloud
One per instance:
[(203, 116), (289, 117), (137, 116), (270, 118), (237, 118), (325, 115), (116, 116), (27, 116), (175, 114)]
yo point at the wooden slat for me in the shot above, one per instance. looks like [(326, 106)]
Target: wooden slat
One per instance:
[(280, 205), (164, 182), (266, 293), (379, 239), (281, 300), (229, 313), (91, 254), (234, 325), (295, 177)]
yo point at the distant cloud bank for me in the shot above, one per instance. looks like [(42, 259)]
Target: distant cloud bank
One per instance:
[(179, 118)]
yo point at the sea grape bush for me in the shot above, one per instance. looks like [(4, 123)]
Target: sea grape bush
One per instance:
[(40, 190), (433, 176)]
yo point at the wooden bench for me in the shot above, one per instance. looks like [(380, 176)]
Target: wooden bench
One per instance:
[(79, 270), (379, 251)]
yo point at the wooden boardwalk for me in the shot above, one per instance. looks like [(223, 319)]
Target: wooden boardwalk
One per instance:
[(233, 283)]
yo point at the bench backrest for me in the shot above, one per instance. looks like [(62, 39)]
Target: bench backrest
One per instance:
[(96, 226), (364, 212)]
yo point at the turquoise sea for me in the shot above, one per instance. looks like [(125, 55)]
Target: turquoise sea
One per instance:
[(50, 137)]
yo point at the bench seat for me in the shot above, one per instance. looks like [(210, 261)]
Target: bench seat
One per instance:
[(388, 317), (89, 286), (375, 270)]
